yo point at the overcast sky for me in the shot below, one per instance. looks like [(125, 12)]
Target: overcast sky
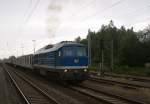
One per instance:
[(52, 21)]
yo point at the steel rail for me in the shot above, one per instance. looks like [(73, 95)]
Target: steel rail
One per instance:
[(17, 87), (35, 87), (127, 84), (113, 95)]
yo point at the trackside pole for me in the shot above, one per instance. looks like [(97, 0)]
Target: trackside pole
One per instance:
[(101, 65), (112, 55), (89, 50)]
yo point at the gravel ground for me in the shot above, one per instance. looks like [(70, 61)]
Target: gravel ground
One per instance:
[(7, 93)]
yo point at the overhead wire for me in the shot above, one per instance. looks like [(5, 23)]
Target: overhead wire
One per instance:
[(133, 13), (82, 8), (97, 13), (111, 6), (27, 15), (140, 21), (104, 9), (32, 11), (29, 6)]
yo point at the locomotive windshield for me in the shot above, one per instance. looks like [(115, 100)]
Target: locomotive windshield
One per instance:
[(74, 51)]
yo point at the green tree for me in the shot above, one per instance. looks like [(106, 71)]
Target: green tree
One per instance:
[(78, 39), (128, 46)]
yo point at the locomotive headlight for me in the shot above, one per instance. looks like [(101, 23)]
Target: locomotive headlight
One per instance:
[(65, 70), (85, 70)]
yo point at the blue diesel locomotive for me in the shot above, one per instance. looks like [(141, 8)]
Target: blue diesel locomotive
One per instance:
[(65, 60)]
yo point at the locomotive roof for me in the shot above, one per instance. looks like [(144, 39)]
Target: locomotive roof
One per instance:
[(54, 47)]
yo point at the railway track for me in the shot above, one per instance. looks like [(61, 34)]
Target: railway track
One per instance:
[(31, 93), (100, 96), (103, 96), (135, 78), (64, 99), (126, 84), (129, 77)]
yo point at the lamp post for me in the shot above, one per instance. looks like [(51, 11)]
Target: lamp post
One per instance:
[(22, 47), (33, 50), (34, 45), (89, 48)]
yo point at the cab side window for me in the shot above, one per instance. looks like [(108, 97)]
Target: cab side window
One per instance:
[(59, 53)]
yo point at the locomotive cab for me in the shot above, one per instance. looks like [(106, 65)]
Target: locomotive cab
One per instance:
[(73, 56), (73, 60)]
